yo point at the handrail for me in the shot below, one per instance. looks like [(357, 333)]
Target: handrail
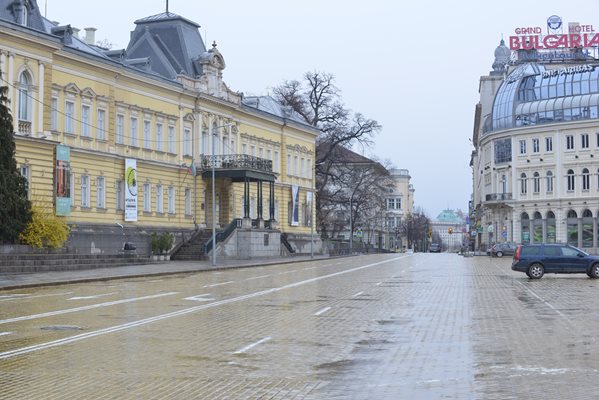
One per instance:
[(224, 235), (286, 243), (235, 161)]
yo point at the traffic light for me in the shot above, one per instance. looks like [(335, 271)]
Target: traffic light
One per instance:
[(450, 230)]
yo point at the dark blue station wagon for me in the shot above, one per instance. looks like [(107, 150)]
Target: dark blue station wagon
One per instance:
[(537, 259)]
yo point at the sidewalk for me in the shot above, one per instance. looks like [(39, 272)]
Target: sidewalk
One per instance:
[(17, 281)]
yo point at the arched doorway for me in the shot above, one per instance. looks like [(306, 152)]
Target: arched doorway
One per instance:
[(537, 228), (572, 228), (587, 228), (551, 227), (525, 225)]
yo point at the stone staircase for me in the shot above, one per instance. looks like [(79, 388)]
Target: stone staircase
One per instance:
[(195, 248), (39, 262)]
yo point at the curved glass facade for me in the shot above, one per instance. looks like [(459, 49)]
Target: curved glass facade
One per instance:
[(531, 95)]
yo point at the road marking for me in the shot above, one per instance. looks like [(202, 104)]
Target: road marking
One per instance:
[(251, 346), (200, 297), (288, 272), (379, 284), (358, 294), (91, 297), (305, 269), (5, 333), (9, 297), (258, 277), (14, 296), (320, 312), (219, 284), (146, 321), (71, 310)]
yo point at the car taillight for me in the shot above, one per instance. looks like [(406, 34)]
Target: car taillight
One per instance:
[(517, 253)]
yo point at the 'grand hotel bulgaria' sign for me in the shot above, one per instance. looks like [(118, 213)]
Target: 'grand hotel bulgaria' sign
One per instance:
[(557, 36)]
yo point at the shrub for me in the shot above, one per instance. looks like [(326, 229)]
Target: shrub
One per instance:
[(155, 243), (166, 242), (45, 230)]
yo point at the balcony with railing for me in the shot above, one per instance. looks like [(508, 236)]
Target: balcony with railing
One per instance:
[(236, 161), (25, 128), (498, 197)]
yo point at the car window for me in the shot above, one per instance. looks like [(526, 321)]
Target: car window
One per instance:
[(553, 251), (569, 252), (530, 250)]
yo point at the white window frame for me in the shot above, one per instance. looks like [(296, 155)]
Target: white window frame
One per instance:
[(549, 144), (171, 199), (147, 134), (171, 138), (187, 142), (24, 109), (85, 191), (536, 146), (101, 128), (584, 140), (147, 197), (133, 131), (69, 117), (159, 137), (187, 201), (120, 128), (569, 142), (85, 120), (54, 114), (522, 146), (120, 195)]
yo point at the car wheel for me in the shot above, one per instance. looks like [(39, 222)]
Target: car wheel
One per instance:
[(499, 254), (594, 271), (536, 271)]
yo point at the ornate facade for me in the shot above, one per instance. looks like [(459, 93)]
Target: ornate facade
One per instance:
[(83, 115)]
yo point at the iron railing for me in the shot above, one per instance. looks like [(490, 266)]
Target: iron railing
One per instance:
[(235, 161), (498, 197), (222, 236)]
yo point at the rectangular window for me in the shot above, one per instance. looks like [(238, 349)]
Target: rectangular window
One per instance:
[(133, 132), (159, 200), (584, 140), (570, 142), (120, 195), (269, 154), (159, 138), (260, 152), (548, 144), (171, 139), (54, 114), (101, 128), (147, 135), (309, 169), (276, 163), (147, 201), (288, 164), (72, 188), (171, 200), (85, 121), (25, 174), (244, 149), (252, 151), (295, 171), (120, 129), (597, 139), (85, 191), (549, 182), (187, 202), (303, 168), (100, 192), (535, 145), (186, 142), (522, 146), (69, 115)]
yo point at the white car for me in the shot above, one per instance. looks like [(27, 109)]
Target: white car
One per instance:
[(410, 251)]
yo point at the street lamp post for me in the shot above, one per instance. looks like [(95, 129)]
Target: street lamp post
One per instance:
[(213, 165)]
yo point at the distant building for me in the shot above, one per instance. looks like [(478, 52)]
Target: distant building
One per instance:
[(449, 230), (400, 203)]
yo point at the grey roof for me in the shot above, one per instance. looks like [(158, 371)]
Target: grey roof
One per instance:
[(34, 21), (170, 41), (272, 106)]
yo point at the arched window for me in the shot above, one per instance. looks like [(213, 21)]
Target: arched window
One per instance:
[(586, 179), (572, 228), (587, 228), (24, 102), (536, 182), (570, 180), (549, 182), (551, 228), (525, 228), (523, 188)]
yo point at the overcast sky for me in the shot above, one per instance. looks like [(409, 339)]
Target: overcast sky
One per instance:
[(414, 66)]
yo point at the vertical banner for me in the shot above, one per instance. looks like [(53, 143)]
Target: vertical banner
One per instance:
[(295, 205), (62, 180), (130, 190), (309, 198)]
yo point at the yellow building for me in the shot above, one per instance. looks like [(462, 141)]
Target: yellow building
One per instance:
[(125, 142)]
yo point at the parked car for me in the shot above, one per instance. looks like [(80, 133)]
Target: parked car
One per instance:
[(537, 259), (503, 249), (434, 248)]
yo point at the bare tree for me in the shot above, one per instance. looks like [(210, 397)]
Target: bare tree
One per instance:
[(415, 228), (318, 101)]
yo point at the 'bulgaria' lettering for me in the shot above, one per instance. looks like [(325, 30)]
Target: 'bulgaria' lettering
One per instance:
[(569, 41)]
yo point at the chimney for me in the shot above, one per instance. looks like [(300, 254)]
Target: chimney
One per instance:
[(76, 31), (90, 36)]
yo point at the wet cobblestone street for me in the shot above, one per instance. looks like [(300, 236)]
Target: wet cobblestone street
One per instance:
[(423, 326)]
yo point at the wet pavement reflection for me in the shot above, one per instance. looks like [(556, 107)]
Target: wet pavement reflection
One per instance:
[(422, 326)]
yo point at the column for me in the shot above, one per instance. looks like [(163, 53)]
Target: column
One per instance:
[(259, 184), (246, 222), (39, 105), (11, 90)]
